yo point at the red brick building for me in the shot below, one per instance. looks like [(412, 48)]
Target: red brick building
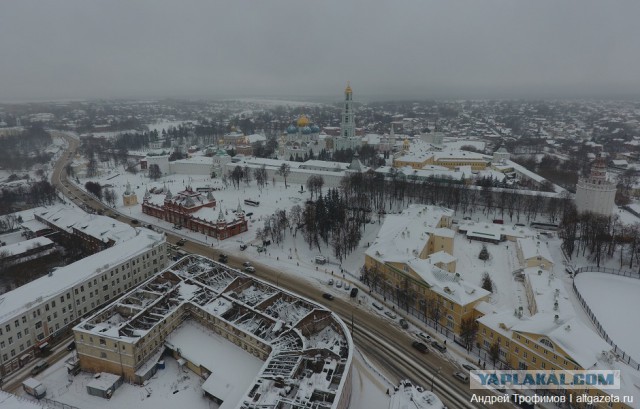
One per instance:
[(192, 210)]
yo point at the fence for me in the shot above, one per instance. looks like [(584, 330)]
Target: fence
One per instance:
[(624, 357), (56, 404), (595, 269)]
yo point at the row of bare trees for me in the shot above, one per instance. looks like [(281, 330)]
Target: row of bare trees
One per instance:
[(600, 238)]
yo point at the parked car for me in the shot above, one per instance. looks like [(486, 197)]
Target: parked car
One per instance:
[(469, 367), (71, 346), (377, 306), (420, 347), (424, 336), (354, 292), (461, 376), (39, 367), (243, 247), (390, 315), (404, 324), (250, 269), (327, 296), (330, 282), (320, 259), (439, 346), (177, 227), (339, 284)]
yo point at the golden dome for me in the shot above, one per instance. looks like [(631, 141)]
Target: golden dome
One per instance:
[(348, 89), (302, 121)]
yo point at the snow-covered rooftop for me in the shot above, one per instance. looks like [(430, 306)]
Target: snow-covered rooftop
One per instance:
[(404, 236), (24, 246), (534, 248), (22, 298), (101, 227), (449, 285), (278, 319)]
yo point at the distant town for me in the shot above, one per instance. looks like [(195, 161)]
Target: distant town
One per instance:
[(253, 253)]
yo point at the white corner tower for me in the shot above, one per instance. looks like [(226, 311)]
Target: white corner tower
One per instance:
[(596, 194)]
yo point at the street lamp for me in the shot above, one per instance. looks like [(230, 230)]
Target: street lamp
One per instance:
[(433, 375)]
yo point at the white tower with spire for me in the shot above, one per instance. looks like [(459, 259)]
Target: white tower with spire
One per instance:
[(348, 123), (347, 138)]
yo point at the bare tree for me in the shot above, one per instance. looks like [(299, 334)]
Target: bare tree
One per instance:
[(284, 171)]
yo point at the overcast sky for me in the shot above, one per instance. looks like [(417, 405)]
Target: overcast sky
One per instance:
[(219, 48)]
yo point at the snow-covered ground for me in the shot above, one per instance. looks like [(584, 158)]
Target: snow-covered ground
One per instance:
[(170, 387), (615, 301), (507, 293), (179, 387)]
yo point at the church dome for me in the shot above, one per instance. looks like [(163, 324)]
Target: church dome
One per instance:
[(315, 128), (306, 130), (292, 129), (303, 121)]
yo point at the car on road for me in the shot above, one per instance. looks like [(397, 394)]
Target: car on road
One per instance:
[(461, 376), (181, 242), (223, 258), (327, 296), (420, 347), (40, 366), (354, 292), (424, 336), (134, 221), (71, 346), (250, 269), (439, 346), (246, 264), (390, 315)]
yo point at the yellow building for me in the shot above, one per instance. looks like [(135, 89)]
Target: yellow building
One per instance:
[(452, 159), (533, 253), (411, 262), (414, 161), (544, 336)]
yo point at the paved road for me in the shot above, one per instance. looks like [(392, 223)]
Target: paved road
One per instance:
[(386, 345)]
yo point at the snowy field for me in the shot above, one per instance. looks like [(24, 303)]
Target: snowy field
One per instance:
[(615, 301)]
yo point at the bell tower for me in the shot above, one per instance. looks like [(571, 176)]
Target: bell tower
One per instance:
[(348, 123)]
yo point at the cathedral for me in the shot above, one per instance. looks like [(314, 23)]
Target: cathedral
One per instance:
[(299, 139)]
